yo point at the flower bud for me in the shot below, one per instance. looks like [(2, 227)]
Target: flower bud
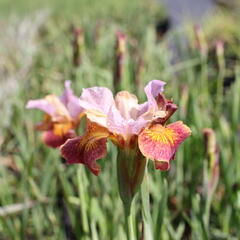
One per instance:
[(77, 44), (200, 43), (212, 152), (120, 52), (220, 48), (130, 168)]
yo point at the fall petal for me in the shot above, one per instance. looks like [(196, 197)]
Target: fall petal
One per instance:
[(55, 141), (87, 148), (45, 125), (162, 165), (160, 143)]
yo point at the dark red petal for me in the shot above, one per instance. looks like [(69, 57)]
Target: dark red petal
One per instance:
[(87, 148), (55, 141)]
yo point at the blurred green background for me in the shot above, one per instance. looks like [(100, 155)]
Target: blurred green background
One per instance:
[(202, 78)]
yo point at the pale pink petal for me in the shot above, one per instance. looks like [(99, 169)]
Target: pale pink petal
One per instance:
[(67, 94), (143, 108), (74, 107), (127, 104), (152, 90), (125, 118), (52, 105), (115, 122), (41, 104), (97, 98), (138, 125), (71, 101)]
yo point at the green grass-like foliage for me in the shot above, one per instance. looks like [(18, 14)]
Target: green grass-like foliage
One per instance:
[(33, 175)]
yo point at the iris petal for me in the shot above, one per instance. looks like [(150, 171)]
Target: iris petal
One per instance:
[(53, 106), (152, 89), (160, 143), (53, 140), (70, 100), (87, 148)]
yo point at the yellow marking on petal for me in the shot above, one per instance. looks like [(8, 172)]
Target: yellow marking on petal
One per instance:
[(61, 112), (161, 134), (46, 124), (97, 117), (61, 129), (127, 104), (94, 132), (160, 143)]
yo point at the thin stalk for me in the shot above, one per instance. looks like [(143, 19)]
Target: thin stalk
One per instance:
[(220, 80), (204, 79), (82, 198), (129, 224), (146, 212), (65, 210)]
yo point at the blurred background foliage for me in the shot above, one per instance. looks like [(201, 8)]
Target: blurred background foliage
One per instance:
[(42, 198)]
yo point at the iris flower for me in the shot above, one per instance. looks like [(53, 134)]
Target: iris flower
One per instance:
[(62, 116), (138, 130)]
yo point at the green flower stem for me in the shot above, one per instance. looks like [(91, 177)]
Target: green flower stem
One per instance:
[(220, 82), (82, 199), (130, 169), (129, 224), (146, 212), (131, 166)]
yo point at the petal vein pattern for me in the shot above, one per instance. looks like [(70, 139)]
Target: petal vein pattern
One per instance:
[(62, 116), (87, 148), (160, 143), (96, 102)]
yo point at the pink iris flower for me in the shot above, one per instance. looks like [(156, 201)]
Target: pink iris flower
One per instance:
[(62, 116), (128, 124)]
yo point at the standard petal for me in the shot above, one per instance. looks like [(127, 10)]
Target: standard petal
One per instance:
[(67, 94), (70, 101), (97, 98), (52, 105), (160, 143), (152, 90), (127, 104), (115, 122), (87, 148), (74, 107), (96, 102), (41, 104), (55, 141), (138, 125)]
